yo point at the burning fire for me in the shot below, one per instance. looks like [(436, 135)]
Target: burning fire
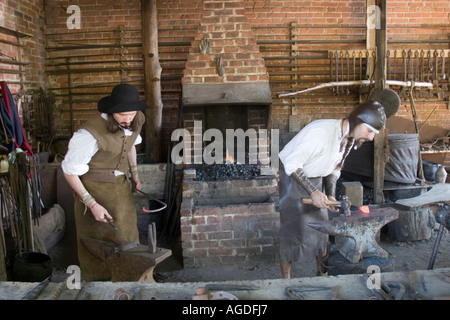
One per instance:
[(229, 159), (364, 209)]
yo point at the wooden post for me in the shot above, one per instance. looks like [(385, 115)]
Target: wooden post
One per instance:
[(152, 76), (3, 274), (381, 150), (371, 16)]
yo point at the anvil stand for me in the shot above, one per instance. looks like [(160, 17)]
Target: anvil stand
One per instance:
[(359, 249)]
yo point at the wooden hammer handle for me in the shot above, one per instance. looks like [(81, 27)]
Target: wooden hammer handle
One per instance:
[(327, 202)]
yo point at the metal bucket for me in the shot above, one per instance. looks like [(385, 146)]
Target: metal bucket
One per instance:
[(429, 170), (403, 159), (31, 267)]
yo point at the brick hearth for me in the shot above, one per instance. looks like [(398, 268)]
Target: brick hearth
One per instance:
[(229, 222)]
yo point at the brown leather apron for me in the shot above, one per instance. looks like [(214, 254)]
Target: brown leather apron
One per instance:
[(297, 240), (118, 199)]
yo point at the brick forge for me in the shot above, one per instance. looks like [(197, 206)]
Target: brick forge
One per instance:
[(229, 222), (226, 86)]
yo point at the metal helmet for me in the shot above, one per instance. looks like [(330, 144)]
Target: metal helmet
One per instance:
[(370, 112)]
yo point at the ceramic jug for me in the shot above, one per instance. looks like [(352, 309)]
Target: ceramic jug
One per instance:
[(441, 174)]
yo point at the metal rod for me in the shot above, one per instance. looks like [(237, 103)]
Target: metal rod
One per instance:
[(360, 82), (435, 248)]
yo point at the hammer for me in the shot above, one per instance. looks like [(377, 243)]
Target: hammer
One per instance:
[(344, 204)]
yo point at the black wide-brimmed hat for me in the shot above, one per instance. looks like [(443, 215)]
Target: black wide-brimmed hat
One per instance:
[(124, 97)]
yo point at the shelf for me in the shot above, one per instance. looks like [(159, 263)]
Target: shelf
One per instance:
[(11, 32)]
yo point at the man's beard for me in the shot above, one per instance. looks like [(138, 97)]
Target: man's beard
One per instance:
[(359, 143), (124, 125)]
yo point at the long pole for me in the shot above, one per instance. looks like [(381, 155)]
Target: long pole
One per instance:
[(152, 76)]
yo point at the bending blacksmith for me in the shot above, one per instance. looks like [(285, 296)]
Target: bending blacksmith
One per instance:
[(310, 167), (96, 166)]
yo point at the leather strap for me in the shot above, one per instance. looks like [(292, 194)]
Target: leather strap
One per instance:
[(300, 177)]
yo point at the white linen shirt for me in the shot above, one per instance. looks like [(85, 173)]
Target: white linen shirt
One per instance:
[(82, 147), (316, 149)]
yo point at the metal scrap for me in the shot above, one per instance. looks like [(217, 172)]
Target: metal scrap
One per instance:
[(312, 293), (34, 293), (203, 294)]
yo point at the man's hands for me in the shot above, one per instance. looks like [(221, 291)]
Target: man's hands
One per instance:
[(319, 200), (137, 185), (100, 213)]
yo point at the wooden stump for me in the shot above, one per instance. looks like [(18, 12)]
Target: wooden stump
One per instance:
[(412, 225)]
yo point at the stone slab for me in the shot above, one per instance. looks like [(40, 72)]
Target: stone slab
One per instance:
[(420, 285), (439, 193)]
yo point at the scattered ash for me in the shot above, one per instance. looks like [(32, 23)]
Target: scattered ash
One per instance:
[(221, 172)]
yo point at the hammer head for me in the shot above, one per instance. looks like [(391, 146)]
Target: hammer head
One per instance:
[(345, 206)]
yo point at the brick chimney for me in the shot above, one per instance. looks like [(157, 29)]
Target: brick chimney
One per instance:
[(224, 64)]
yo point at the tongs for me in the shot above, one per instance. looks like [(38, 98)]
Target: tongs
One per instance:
[(164, 205)]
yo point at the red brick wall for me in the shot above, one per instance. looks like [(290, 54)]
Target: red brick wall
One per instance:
[(340, 23), (231, 44), (26, 17)]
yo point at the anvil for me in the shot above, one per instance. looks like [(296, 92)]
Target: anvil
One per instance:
[(360, 229), (127, 263)]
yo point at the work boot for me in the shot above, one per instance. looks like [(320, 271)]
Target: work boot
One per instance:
[(321, 266), (322, 263), (285, 269)]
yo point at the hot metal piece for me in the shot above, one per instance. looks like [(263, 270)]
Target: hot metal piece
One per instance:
[(360, 229)]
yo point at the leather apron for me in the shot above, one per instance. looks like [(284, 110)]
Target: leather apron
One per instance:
[(297, 240), (118, 199)]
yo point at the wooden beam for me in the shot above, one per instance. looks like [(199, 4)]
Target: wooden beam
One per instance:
[(152, 77), (381, 149), (371, 16)]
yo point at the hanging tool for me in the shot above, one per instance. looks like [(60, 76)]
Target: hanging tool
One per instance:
[(337, 70), (416, 125), (331, 55), (395, 64), (360, 65), (354, 65), (347, 56), (410, 65), (422, 55), (388, 71)]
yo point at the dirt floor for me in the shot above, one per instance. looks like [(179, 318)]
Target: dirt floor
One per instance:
[(406, 256)]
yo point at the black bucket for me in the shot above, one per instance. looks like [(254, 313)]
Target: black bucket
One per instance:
[(429, 170), (31, 267)]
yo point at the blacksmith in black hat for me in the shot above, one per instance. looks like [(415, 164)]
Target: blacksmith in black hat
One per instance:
[(99, 158), (310, 166)]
